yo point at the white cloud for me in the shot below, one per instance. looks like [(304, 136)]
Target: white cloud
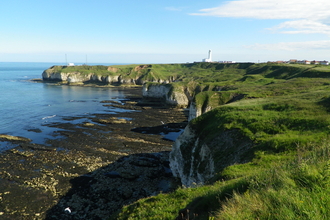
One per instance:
[(304, 16), (302, 27), (173, 9), (292, 46), (270, 9)]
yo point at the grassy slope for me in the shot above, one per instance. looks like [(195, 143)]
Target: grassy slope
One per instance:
[(198, 72), (285, 113)]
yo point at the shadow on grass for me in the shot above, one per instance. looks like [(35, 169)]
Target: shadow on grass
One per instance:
[(325, 102), (203, 207)]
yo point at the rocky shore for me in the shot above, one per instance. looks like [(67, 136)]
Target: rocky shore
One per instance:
[(94, 166)]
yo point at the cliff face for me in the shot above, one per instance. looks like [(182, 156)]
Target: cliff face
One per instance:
[(76, 77), (136, 75), (182, 159), (165, 93), (196, 110), (195, 160)]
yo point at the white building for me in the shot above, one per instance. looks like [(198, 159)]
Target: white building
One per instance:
[(304, 62), (209, 59)]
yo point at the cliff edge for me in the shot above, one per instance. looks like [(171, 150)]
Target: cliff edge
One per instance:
[(125, 74)]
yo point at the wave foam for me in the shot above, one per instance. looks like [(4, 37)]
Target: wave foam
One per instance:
[(52, 116)]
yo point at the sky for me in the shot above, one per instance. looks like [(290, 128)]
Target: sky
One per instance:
[(172, 31)]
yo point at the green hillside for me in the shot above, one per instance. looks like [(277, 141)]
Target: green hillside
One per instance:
[(284, 111)]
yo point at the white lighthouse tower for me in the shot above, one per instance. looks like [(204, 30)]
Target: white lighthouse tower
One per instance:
[(209, 59), (210, 56)]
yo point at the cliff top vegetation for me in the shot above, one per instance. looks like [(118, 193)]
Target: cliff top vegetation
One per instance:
[(284, 110)]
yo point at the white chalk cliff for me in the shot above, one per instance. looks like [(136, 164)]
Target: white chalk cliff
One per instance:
[(195, 161), (166, 93)]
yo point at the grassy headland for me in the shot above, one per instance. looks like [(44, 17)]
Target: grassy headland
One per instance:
[(284, 111)]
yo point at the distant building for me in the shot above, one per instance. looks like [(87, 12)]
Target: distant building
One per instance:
[(70, 64), (324, 62), (209, 59), (307, 62), (278, 62), (227, 61), (303, 62)]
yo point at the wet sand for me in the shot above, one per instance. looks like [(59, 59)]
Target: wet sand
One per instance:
[(94, 166)]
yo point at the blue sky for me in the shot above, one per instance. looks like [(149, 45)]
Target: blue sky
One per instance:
[(149, 31)]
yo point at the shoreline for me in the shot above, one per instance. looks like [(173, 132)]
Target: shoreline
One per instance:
[(40, 131), (37, 180)]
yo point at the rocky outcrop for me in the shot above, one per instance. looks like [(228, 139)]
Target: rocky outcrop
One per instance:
[(76, 77), (67, 77), (166, 93), (137, 75), (195, 160), (207, 101), (195, 111), (6, 137)]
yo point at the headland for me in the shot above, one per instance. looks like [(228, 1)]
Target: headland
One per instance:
[(254, 131)]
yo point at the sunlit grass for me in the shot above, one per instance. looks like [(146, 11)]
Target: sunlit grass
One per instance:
[(297, 189), (284, 111)]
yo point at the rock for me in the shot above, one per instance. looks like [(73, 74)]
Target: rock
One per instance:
[(164, 185), (126, 174), (145, 162), (141, 67), (166, 93), (13, 138), (113, 174), (88, 124), (22, 153), (36, 130), (195, 161), (112, 120), (126, 192), (37, 147), (154, 173), (168, 172), (83, 181)]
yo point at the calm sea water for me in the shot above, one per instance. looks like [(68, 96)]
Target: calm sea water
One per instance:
[(27, 106)]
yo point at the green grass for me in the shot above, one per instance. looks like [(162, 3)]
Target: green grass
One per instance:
[(286, 186), (297, 189), (282, 109), (276, 124), (196, 200)]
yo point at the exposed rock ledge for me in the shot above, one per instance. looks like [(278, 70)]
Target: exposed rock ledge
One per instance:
[(166, 93), (13, 138), (111, 75), (195, 161)]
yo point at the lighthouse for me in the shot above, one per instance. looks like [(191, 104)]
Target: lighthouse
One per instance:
[(210, 56), (209, 59)]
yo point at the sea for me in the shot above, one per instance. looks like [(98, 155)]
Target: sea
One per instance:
[(27, 107)]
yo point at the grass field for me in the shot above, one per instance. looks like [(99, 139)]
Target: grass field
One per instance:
[(284, 112)]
